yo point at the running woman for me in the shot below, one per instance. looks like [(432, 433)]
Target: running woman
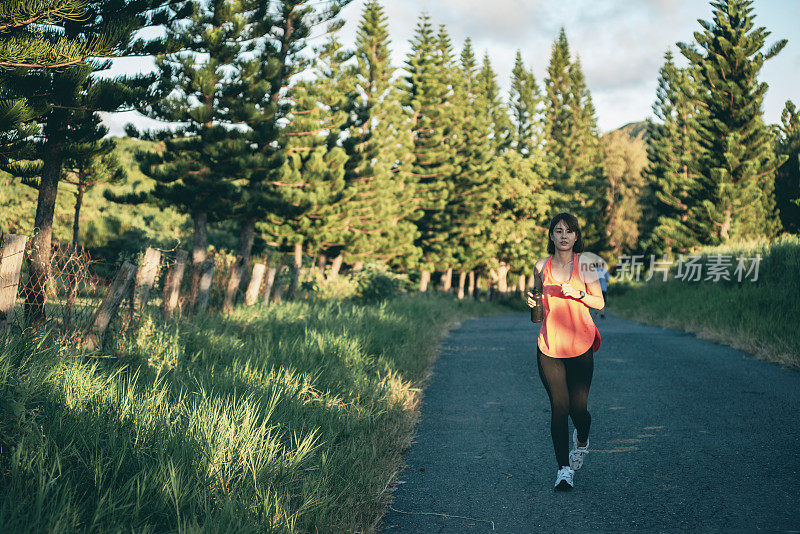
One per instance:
[(567, 341)]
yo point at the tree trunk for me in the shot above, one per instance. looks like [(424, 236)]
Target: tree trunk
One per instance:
[(726, 224), (245, 246), (336, 264), (41, 243), (72, 275), (447, 280), (76, 220), (521, 285), (478, 280), (424, 280), (297, 264), (199, 247), (471, 285), (462, 278), (502, 278)]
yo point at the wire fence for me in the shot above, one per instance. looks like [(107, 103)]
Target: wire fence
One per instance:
[(64, 299), (79, 306)]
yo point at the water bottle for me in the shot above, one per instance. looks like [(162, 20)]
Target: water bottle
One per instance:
[(537, 312)]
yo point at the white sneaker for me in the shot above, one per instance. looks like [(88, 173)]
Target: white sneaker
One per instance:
[(564, 478), (577, 453)]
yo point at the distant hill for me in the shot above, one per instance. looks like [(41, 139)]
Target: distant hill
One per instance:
[(635, 129)]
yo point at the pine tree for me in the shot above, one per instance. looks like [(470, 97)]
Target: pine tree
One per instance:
[(673, 173), (572, 139), (314, 162), (31, 38), (523, 191), (587, 162), (526, 98), (521, 211), (469, 207), (196, 170), (377, 207), (57, 97), (88, 161), (274, 195), (787, 178), (739, 162), (502, 130), (427, 93), (559, 121)]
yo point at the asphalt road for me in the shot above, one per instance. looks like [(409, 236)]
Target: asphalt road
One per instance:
[(686, 434)]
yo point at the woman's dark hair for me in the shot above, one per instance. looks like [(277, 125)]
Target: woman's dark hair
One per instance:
[(572, 223)]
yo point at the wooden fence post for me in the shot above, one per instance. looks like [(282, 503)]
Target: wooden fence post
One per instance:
[(204, 287), (110, 303), (11, 256), (251, 296), (172, 283), (277, 289), (145, 278), (269, 283)]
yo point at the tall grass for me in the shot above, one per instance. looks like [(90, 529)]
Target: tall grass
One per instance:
[(288, 418), (760, 317)]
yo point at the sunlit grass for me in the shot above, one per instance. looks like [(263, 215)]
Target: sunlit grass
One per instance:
[(757, 316), (288, 418)]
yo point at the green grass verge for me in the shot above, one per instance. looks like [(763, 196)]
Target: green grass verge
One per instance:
[(289, 418), (758, 317)]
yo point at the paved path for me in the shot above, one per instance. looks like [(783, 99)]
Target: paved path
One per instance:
[(686, 435)]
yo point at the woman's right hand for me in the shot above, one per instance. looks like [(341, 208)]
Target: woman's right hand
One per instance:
[(531, 300)]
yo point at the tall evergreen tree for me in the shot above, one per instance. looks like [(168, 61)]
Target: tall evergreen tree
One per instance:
[(275, 196), (195, 171), (502, 131), (377, 208), (427, 92), (674, 192), (526, 98), (469, 207), (314, 161), (58, 96), (787, 178), (521, 211), (572, 139), (739, 162)]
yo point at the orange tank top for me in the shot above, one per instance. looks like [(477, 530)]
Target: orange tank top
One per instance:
[(567, 328)]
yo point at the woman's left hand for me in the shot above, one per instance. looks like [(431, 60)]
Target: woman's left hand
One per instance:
[(570, 291)]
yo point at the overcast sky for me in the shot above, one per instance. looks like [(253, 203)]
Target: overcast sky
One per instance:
[(621, 44)]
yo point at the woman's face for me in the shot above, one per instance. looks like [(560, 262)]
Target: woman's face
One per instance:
[(563, 237)]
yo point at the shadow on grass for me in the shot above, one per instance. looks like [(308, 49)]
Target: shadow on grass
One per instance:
[(279, 420)]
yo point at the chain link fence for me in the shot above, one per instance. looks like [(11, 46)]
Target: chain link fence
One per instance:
[(78, 304), (70, 293)]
